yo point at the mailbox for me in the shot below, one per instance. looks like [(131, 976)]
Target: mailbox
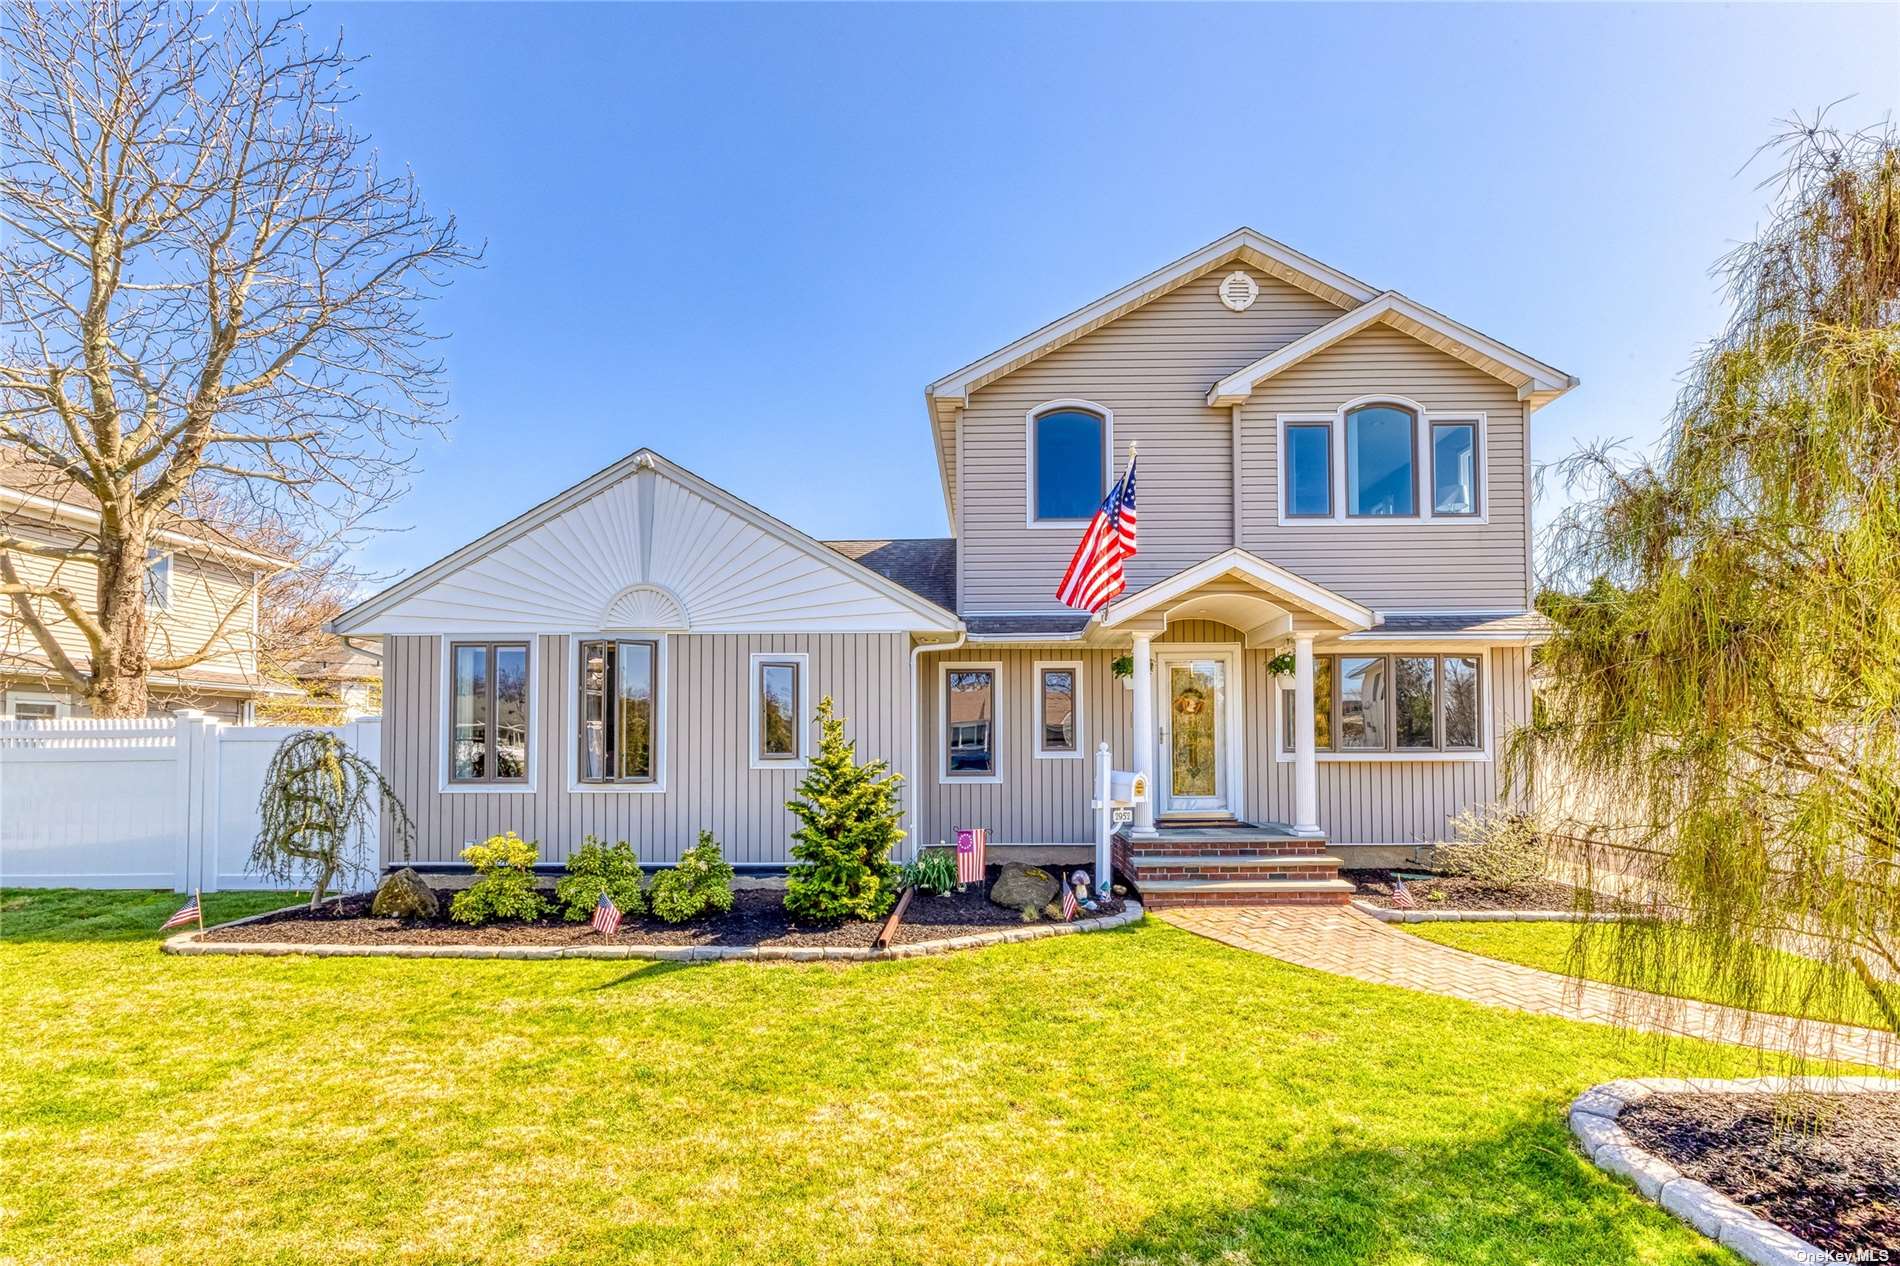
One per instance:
[(1126, 787)]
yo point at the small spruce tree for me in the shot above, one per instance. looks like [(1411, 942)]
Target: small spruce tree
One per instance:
[(848, 814)]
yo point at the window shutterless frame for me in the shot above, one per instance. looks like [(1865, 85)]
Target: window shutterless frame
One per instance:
[(490, 722), (1288, 432), (1424, 492), (767, 743), (1031, 518), (1329, 706), (1348, 467), (1477, 467), (1073, 747), (602, 701), (969, 734)]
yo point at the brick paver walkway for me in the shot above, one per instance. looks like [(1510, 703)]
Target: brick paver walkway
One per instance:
[(1346, 942)]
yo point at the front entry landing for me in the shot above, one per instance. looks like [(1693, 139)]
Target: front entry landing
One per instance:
[(1232, 864)]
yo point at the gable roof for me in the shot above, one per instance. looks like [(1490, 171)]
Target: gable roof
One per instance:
[(927, 566), (1536, 382), (475, 576)]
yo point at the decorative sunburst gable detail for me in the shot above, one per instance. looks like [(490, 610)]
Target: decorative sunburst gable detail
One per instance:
[(645, 544), (647, 607)]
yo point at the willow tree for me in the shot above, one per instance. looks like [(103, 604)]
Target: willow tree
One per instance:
[(1724, 665)]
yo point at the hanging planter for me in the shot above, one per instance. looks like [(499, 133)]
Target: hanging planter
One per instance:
[(1123, 666), (1281, 665)]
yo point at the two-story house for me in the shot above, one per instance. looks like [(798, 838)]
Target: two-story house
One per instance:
[(1332, 477), (200, 591)]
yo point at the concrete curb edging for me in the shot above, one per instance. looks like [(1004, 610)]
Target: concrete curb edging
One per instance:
[(1593, 1120), (1384, 915), (188, 943)]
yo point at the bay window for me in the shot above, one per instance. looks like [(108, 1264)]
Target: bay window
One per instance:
[(1389, 703)]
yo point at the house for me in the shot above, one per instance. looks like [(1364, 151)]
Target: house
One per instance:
[(200, 589), (1328, 472), (339, 679)]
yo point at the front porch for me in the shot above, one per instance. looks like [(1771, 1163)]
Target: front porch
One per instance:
[(1231, 863)]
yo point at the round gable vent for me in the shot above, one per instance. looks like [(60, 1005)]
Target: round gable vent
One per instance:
[(1239, 290)]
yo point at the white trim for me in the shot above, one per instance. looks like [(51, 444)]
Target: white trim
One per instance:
[(1483, 754), (445, 717), (1234, 760), (662, 674), (360, 618), (1081, 733), (1533, 377), (944, 776), (62, 705), (1074, 405), (1423, 419), (801, 710), (1275, 579)]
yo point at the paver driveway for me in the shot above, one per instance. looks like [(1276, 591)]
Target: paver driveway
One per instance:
[(1346, 942)]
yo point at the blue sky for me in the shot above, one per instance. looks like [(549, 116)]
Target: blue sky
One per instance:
[(748, 236)]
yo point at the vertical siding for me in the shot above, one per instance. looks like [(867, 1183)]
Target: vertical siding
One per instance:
[(1152, 368), (709, 780), (1046, 801), (1404, 565)]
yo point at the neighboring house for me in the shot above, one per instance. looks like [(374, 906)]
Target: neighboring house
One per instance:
[(198, 576), (339, 680), (1327, 470)]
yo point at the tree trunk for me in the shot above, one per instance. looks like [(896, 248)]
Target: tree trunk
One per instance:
[(118, 686)]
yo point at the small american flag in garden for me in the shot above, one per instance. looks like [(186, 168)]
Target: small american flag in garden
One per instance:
[(1095, 573), (606, 916), (193, 911), (970, 844), (1068, 900), (1401, 895)]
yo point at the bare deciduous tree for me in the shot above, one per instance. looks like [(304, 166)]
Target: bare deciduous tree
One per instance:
[(209, 287)]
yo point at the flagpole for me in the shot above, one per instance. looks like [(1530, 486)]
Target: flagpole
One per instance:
[(199, 897)]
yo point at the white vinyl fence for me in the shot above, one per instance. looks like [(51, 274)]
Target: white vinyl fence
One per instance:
[(145, 803)]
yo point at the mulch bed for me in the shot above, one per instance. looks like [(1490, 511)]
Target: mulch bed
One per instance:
[(1439, 892), (757, 918), (1834, 1182)]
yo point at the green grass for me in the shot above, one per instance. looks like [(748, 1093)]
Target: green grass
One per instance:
[(1797, 985), (1143, 1096)]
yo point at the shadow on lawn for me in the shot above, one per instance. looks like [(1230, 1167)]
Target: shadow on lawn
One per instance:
[(1519, 1198), (644, 974)]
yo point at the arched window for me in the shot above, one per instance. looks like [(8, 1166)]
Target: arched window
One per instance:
[(1068, 463), (1381, 461)]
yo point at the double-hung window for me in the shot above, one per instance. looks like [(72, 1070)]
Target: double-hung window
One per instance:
[(1068, 464), (619, 709), (488, 717), (969, 712), (1390, 703)]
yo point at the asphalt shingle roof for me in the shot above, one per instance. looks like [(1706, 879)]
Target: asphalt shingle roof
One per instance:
[(927, 566)]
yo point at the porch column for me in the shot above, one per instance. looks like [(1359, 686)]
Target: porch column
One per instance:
[(1305, 752), (1144, 763)]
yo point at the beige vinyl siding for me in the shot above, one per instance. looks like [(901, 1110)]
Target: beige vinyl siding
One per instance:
[(1046, 801), (1152, 368), (1398, 565), (709, 780), (202, 591)]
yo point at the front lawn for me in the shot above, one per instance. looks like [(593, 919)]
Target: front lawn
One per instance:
[(1139, 1096), (1799, 987)]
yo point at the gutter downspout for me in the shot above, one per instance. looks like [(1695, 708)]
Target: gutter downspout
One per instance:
[(917, 729)]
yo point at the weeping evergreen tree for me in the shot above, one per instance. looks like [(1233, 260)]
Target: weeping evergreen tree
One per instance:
[(848, 819), (1725, 660), (317, 792)]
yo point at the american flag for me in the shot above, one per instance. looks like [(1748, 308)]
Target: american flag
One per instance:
[(1095, 573), (1068, 898), (1401, 895), (192, 912), (970, 844), (606, 916)]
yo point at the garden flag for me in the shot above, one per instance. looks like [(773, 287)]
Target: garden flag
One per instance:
[(1068, 899), (1401, 895), (192, 911), (970, 845), (606, 915), (1095, 573)]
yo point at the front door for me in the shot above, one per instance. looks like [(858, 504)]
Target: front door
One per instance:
[(1194, 732)]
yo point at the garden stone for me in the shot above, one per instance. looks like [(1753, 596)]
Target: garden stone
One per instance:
[(1021, 886), (1648, 1171), (1766, 1244), (404, 896)]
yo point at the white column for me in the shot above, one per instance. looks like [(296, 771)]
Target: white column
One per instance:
[(1305, 753), (1144, 732)]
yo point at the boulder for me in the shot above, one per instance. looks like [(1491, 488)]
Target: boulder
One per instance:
[(404, 896), (1019, 886)]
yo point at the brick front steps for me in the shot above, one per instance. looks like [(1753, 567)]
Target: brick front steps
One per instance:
[(1231, 864)]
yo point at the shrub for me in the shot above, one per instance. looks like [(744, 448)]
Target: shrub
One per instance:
[(596, 868), (1497, 847), (848, 818), (504, 882), (934, 871), (702, 881)]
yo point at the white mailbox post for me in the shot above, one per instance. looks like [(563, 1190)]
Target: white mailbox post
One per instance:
[(1117, 792)]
